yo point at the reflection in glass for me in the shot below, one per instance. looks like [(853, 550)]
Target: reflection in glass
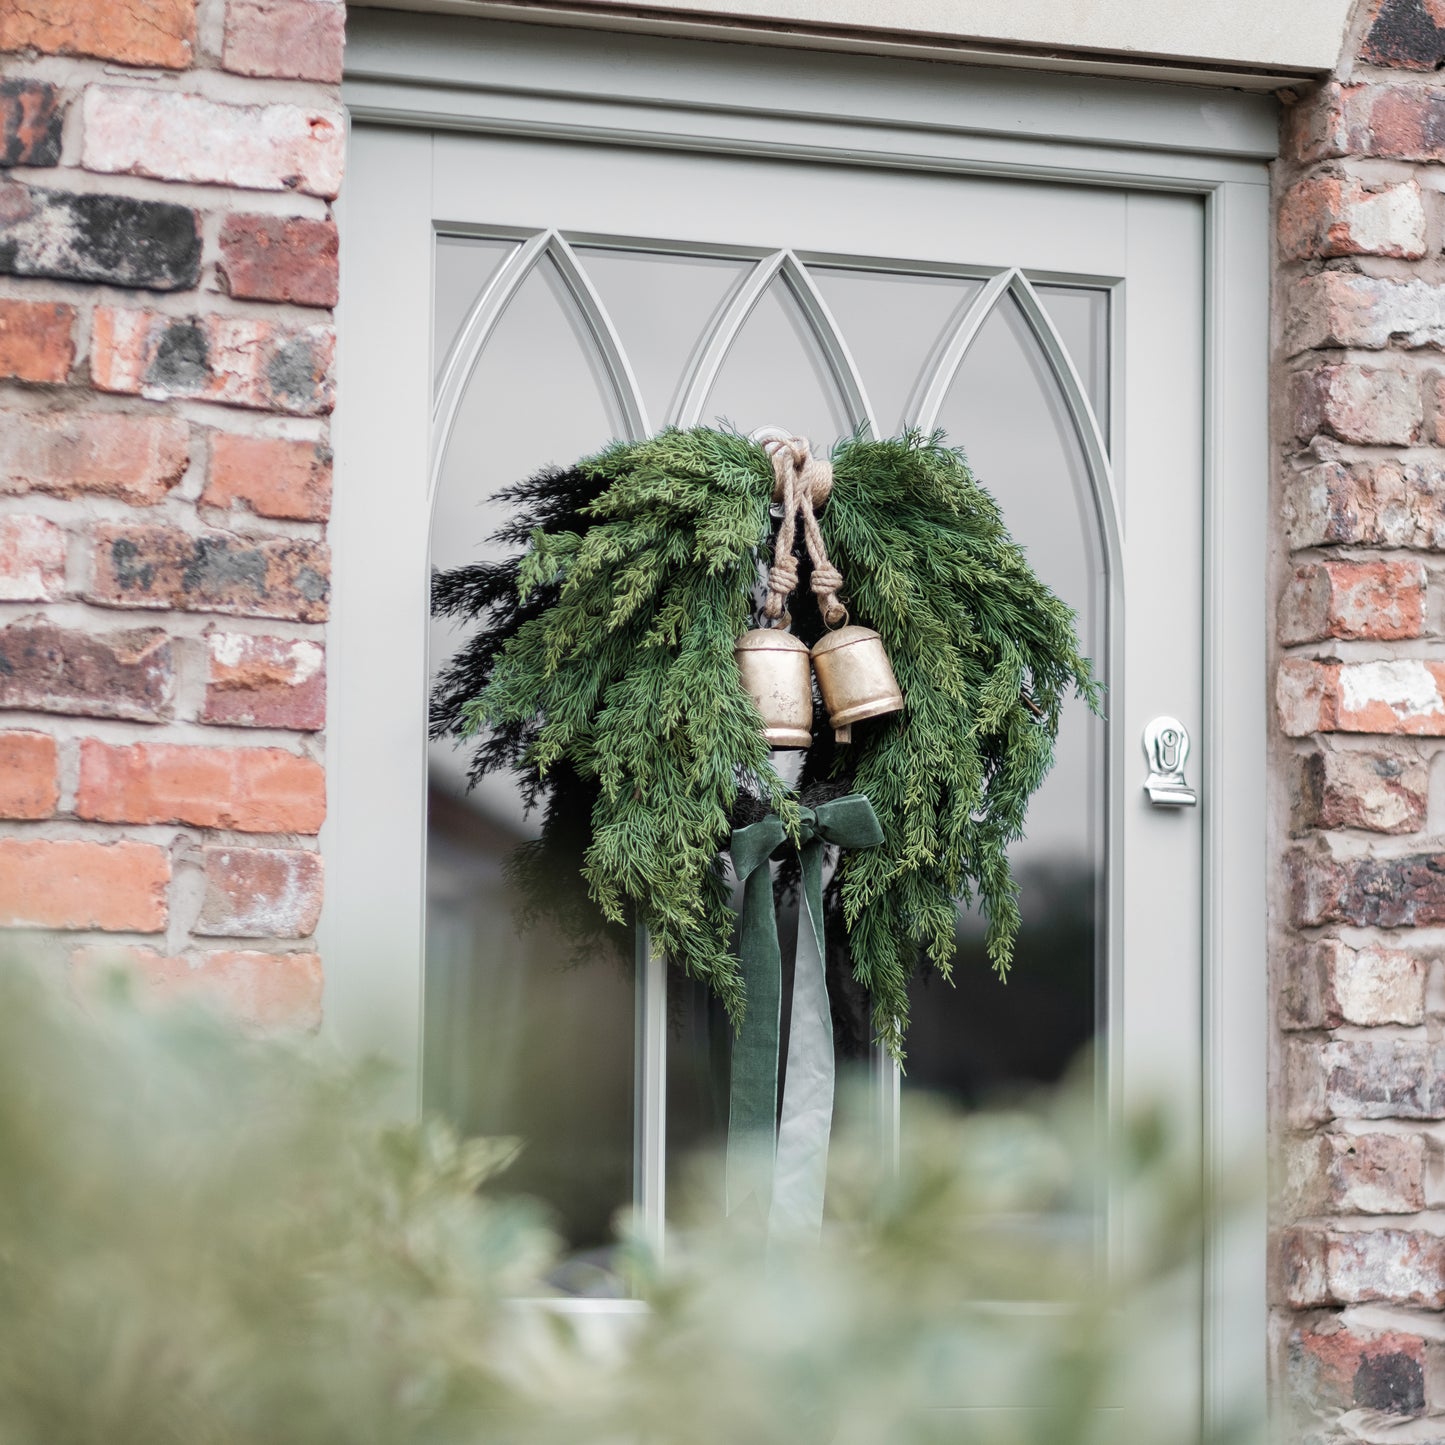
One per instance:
[(521, 1038), (464, 265), (894, 325), (981, 1039), (662, 307), (1081, 317), (775, 375), (518, 1040)]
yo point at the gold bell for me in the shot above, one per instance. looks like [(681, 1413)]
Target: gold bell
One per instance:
[(774, 668), (855, 678)]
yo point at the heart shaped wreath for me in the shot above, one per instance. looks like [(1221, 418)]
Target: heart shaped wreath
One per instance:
[(602, 672)]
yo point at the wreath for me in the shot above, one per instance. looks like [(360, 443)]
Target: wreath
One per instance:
[(602, 671)]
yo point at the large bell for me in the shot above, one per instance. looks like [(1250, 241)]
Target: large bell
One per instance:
[(855, 678), (774, 668)]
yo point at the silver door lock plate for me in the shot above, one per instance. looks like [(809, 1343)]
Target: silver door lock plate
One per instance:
[(1166, 746)]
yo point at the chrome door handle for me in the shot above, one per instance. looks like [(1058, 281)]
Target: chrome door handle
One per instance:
[(1166, 746)]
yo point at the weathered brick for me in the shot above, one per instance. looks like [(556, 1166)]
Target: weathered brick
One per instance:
[(265, 682), (235, 360), (1381, 601), (118, 240), (137, 459), (1365, 1079), (1325, 216), (1403, 697), (265, 991), (1406, 892), (74, 883), (1357, 404), (1339, 308), (281, 258), (1389, 503), (164, 567), (1404, 34), (295, 39), (29, 784), (1341, 1369), (30, 120), (32, 559), (1344, 1267), (1379, 792), (37, 341), (260, 893), (253, 790), (1374, 1173), (1402, 122), (140, 32), (1326, 984), (44, 668), (172, 136), (1312, 123), (1302, 1268), (270, 476)]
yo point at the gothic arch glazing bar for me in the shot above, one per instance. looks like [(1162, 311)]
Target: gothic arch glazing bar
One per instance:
[(472, 336), (835, 349), (604, 334), (956, 348), (714, 350), (1081, 412)]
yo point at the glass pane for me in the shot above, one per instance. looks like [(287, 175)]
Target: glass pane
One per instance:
[(981, 1039), (661, 306), (522, 1038), (894, 326), (775, 375), (1081, 317), (464, 265)]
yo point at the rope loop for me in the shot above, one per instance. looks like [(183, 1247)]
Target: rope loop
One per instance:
[(802, 483)]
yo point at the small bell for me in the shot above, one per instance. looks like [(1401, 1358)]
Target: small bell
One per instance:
[(855, 678), (774, 668)]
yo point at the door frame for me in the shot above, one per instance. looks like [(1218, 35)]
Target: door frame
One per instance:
[(486, 77)]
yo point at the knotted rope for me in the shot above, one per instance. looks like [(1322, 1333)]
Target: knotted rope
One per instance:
[(802, 483)]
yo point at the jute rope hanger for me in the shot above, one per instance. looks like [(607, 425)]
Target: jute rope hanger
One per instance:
[(801, 482)]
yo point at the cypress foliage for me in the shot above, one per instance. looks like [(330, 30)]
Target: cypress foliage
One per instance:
[(602, 671)]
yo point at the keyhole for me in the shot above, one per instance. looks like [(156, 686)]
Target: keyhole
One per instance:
[(1168, 750)]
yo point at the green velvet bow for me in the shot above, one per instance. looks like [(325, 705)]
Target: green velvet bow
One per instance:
[(783, 1161)]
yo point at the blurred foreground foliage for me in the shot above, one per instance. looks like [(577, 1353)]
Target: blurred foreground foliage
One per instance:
[(206, 1237)]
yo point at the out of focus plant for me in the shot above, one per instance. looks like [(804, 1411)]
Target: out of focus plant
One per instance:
[(206, 1237)]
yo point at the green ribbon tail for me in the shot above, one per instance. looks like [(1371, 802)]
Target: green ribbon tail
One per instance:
[(753, 1089), (801, 1171)]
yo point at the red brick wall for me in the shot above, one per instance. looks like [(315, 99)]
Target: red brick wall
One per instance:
[(167, 269), (1360, 691)]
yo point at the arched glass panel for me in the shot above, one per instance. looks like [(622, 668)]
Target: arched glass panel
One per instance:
[(894, 325), (464, 265), (980, 1039), (512, 1047), (775, 373), (662, 306)]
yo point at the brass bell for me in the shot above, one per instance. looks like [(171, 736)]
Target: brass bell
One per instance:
[(774, 668), (855, 678)]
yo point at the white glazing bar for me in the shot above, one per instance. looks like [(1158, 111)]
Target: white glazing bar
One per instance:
[(649, 1116), (472, 338), (835, 348), (714, 350), (604, 333), (1081, 412), (953, 353)]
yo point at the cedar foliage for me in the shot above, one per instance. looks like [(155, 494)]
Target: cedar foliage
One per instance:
[(602, 671)]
